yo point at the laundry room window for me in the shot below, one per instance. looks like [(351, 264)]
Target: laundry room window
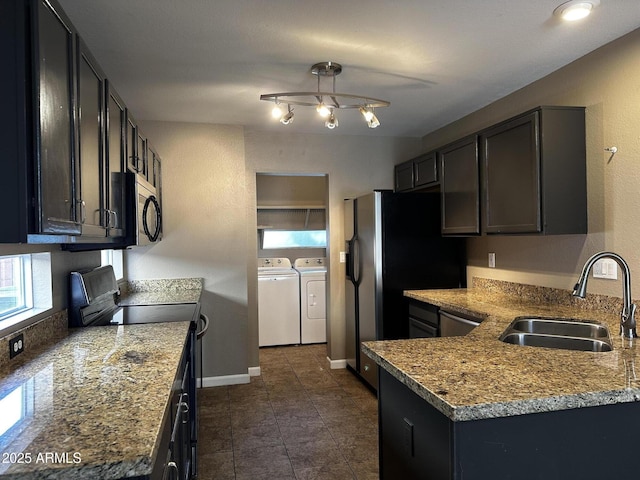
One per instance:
[(294, 239)]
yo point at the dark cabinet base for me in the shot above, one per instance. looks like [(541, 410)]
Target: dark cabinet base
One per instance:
[(418, 442)]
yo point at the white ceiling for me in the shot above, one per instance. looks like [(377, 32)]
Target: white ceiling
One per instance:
[(434, 60)]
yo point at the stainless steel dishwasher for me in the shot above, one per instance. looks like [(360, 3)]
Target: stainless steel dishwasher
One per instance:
[(455, 324)]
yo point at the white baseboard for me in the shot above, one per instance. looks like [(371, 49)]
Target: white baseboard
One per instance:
[(336, 364), (225, 380), (254, 371)]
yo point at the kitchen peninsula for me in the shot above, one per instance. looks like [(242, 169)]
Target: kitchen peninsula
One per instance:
[(474, 407)]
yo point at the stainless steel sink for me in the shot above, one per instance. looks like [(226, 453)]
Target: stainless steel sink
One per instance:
[(558, 333), (557, 341), (567, 328)]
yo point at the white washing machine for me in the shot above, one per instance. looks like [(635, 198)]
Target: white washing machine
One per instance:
[(278, 302), (313, 299)]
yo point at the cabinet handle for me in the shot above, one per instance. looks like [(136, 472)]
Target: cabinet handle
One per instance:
[(135, 162), (172, 465), (112, 215), (83, 214), (184, 405)]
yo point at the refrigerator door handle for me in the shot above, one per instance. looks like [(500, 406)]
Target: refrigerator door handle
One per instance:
[(349, 266), (356, 274)]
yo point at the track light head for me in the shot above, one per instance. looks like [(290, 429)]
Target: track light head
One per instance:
[(323, 110), (287, 118), (370, 117), (332, 121)]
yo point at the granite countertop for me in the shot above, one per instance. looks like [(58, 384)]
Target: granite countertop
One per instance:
[(91, 405), (478, 376), (160, 298), (161, 291)]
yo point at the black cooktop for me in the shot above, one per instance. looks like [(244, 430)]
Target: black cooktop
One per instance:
[(139, 314)]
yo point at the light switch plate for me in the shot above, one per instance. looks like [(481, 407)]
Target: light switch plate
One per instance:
[(605, 268), (343, 257)]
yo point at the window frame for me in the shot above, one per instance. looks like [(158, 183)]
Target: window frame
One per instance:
[(25, 273), (37, 269), (265, 233)]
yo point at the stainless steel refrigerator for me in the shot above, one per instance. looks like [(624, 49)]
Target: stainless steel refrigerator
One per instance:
[(393, 243)]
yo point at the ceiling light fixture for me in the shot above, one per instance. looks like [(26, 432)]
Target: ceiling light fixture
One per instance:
[(326, 102), (575, 9)]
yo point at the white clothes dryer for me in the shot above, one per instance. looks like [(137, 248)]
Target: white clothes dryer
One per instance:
[(313, 299), (278, 303)]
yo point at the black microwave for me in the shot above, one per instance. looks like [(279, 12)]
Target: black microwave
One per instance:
[(145, 225)]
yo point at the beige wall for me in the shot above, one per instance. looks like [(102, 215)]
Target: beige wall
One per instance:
[(607, 82), (205, 234), (353, 165)]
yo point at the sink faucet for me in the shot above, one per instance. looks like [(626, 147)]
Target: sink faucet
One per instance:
[(627, 316)]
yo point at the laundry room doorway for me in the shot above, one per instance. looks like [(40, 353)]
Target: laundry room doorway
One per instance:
[(292, 238)]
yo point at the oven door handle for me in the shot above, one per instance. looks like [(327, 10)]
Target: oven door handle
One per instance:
[(205, 326)]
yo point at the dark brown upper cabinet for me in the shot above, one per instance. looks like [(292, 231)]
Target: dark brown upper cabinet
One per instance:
[(425, 170), (91, 181), (142, 153), (534, 173), (460, 187), (53, 58), (418, 173), (403, 176), (116, 159), (134, 162), (62, 135)]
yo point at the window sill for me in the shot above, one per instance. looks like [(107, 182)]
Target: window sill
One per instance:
[(14, 322)]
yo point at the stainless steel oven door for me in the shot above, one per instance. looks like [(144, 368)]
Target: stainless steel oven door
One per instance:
[(149, 214)]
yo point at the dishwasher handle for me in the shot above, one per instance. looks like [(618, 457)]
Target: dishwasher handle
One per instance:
[(452, 325)]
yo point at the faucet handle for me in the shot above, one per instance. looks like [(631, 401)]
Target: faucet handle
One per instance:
[(628, 323)]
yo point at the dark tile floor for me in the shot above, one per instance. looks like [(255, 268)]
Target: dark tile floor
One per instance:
[(298, 420)]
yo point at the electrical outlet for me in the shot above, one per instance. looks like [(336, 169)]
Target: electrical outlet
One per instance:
[(492, 260), (16, 345), (605, 268)]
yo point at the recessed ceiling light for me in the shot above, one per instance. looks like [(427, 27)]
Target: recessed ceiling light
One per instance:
[(575, 9)]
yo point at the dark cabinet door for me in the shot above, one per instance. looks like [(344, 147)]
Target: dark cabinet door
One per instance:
[(403, 176), (459, 187), (91, 109), (154, 168), (55, 120), (425, 170), (511, 159), (134, 163), (143, 168), (116, 151)]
